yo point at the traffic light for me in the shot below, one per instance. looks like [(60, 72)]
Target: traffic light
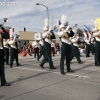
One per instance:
[(24, 29)]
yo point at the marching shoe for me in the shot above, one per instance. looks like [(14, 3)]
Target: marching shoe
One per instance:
[(37, 59), (41, 66), (80, 62), (19, 65), (97, 65), (5, 84), (11, 66), (70, 71), (63, 73), (30, 54), (52, 68), (87, 56)]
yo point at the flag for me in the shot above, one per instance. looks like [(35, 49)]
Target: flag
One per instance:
[(85, 28)]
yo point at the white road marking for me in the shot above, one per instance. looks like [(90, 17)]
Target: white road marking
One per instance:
[(75, 75)]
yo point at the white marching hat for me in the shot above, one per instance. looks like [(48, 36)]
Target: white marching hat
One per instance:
[(61, 26), (63, 22), (45, 28), (46, 25)]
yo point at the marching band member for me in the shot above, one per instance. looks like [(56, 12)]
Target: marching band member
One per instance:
[(92, 45), (92, 41), (3, 35), (35, 45), (96, 34), (53, 47), (87, 40), (66, 47), (75, 50), (41, 42), (29, 48), (6, 50), (82, 45), (13, 51), (47, 36)]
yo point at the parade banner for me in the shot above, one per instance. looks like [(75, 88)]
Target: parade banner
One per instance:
[(98, 22)]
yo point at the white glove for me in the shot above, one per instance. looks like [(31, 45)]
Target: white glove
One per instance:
[(14, 38), (48, 32), (7, 40)]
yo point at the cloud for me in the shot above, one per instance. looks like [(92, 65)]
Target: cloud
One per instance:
[(28, 14)]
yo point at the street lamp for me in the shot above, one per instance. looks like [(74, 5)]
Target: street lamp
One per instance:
[(52, 21), (46, 8)]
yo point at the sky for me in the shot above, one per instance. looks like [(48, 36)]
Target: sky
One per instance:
[(25, 13)]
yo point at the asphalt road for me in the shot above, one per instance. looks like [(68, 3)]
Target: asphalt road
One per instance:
[(30, 82)]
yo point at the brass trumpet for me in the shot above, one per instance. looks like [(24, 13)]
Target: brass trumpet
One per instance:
[(5, 20)]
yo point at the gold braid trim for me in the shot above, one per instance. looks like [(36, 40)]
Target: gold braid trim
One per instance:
[(65, 35), (0, 39), (0, 36), (48, 36), (99, 36)]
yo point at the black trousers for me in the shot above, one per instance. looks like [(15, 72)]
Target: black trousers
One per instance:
[(47, 54), (76, 53), (87, 50), (6, 55), (41, 52), (92, 48), (13, 55), (36, 52), (2, 71), (97, 53), (65, 54)]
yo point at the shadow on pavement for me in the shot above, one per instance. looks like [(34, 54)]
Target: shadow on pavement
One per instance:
[(2, 97), (29, 77), (86, 66)]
